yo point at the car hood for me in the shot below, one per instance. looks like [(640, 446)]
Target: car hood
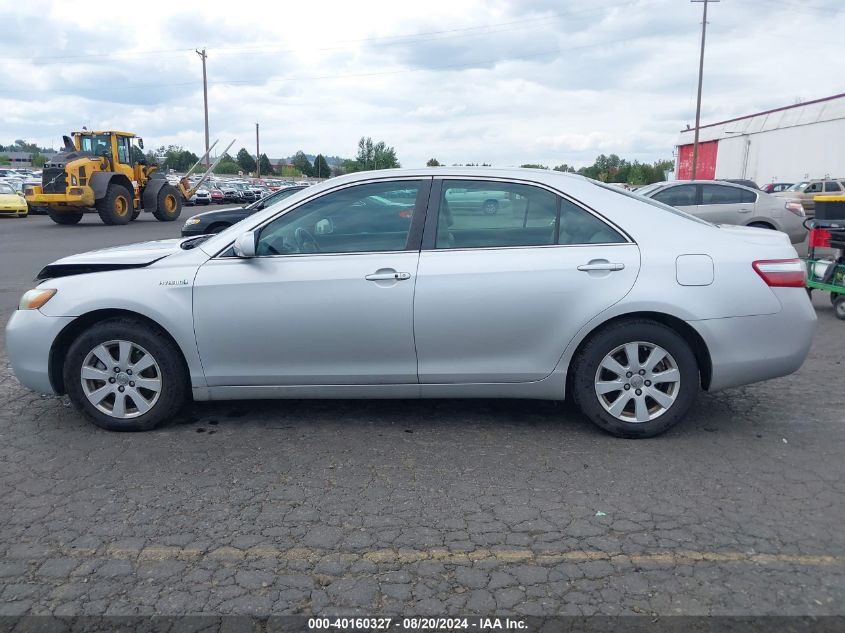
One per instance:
[(12, 199), (216, 211), (114, 258)]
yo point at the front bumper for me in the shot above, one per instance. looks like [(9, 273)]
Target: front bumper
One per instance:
[(16, 211), (29, 339), (749, 349), (84, 199)]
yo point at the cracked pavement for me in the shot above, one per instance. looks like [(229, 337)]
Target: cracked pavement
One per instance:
[(433, 507)]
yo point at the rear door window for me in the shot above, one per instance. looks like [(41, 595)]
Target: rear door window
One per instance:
[(484, 214), (721, 194), (832, 186)]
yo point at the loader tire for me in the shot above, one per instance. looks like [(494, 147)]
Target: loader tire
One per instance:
[(168, 204), (64, 218), (116, 206)]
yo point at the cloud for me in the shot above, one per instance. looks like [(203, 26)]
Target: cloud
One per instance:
[(504, 82)]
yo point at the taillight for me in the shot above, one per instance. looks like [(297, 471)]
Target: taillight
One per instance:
[(405, 214), (796, 208), (781, 273)]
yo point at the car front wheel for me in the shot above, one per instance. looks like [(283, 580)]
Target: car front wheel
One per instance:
[(635, 379), (125, 376)]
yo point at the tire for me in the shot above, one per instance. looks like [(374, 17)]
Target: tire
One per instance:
[(839, 307), (490, 207), (139, 341), (611, 344), (64, 218), (762, 225), (220, 226), (116, 206), (168, 204), (135, 215)]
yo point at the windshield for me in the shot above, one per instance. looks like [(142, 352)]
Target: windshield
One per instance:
[(96, 144), (798, 186), (4, 188), (665, 207)]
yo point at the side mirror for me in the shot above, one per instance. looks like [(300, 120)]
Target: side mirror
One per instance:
[(244, 246), (141, 143)]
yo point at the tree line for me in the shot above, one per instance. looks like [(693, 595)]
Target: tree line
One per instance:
[(614, 169)]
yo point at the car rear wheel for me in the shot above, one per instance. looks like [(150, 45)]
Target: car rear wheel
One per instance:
[(125, 376), (635, 379), (490, 207), (762, 225)]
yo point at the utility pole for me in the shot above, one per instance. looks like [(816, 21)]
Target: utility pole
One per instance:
[(257, 155), (700, 79), (203, 56)]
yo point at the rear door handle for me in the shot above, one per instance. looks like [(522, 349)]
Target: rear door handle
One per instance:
[(388, 276), (601, 266), (744, 210)]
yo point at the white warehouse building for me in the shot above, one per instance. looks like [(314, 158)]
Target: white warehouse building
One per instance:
[(789, 144)]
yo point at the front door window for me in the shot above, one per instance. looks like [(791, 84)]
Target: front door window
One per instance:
[(366, 218)]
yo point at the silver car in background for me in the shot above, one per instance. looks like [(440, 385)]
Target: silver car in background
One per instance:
[(728, 203), (627, 304)]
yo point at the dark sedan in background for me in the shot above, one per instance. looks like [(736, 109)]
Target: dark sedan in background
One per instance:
[(219, 219)]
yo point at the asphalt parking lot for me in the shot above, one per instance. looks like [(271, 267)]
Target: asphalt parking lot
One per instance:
[(403, 507)]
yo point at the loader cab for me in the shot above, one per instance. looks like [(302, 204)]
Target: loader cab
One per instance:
[(122, 152)]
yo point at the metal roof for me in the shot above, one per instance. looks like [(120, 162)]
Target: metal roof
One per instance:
[(816, 111)]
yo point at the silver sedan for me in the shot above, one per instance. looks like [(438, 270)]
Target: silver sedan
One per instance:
[(627, 304), (729, 203)]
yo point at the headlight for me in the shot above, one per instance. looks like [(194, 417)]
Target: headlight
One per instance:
[(34, 299), (192, 221), (73, 180)]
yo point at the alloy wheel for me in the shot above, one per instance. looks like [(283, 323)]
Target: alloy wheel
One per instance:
[(121, 379), (637, 382)]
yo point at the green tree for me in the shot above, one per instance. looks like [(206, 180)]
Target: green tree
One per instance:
[(433, 162), (266, 167), (533, 166), (375, 155), (564, 168), (4, 160), (246, 161), (38, 160), (287, 170), (302, 164), (227, 165), (321, 167)]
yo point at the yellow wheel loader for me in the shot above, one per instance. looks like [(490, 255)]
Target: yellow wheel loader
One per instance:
[(106, 172)]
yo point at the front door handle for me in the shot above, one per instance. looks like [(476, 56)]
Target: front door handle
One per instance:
[(601, 266), (744, 210), (388, 276)]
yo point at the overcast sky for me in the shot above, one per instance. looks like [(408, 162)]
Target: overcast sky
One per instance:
[(503, 82)]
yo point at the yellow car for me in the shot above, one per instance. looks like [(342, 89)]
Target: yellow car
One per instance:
[(11, 202)]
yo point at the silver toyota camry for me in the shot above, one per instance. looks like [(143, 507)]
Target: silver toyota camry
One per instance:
[(429, 283)]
